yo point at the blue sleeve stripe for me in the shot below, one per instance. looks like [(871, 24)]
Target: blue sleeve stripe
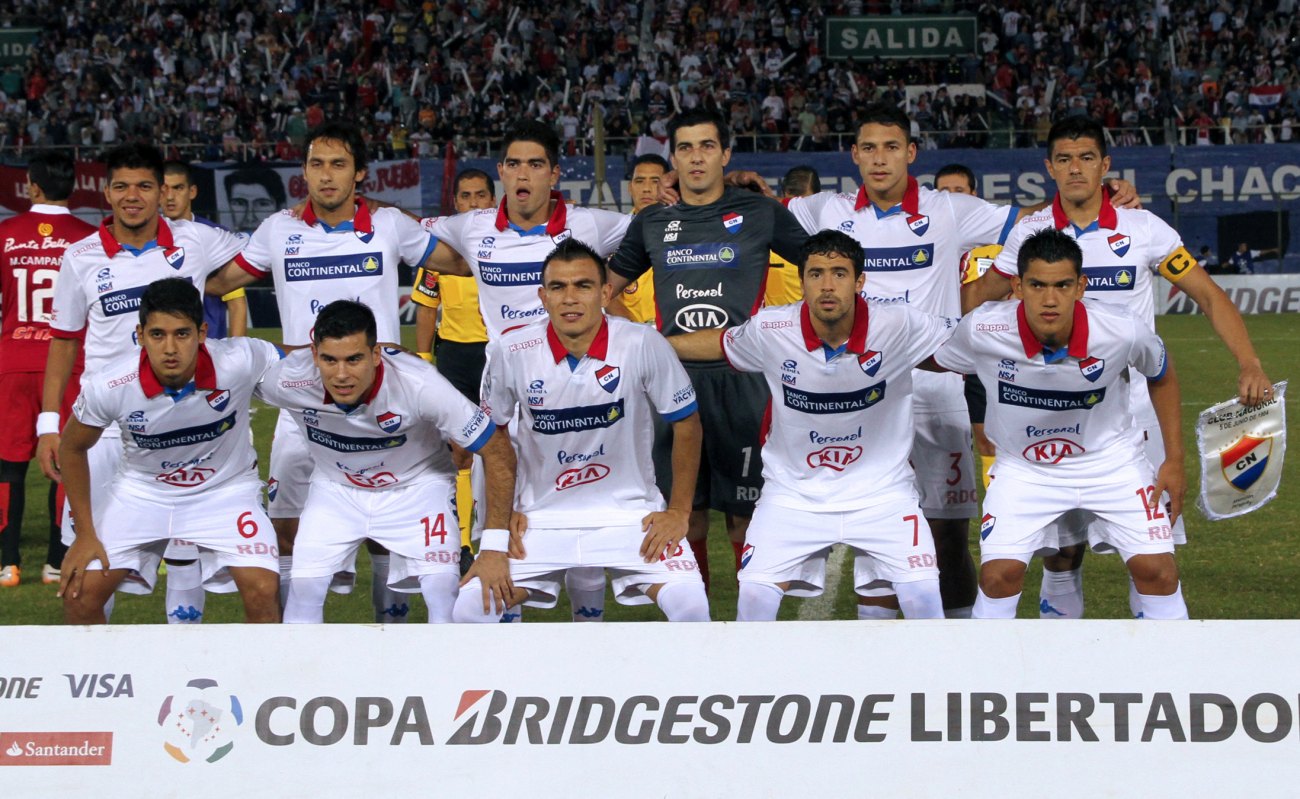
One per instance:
[(483, 437), (680, 413), (1012, 213), (433, 245)]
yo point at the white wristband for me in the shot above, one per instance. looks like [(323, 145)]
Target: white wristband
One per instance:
[(47, 423), (494, 540)]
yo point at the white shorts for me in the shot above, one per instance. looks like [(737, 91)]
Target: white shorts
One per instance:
[(104, 459), (550, 552), (226, 525), (416, 523), (789, 545), (945, 470), (291, 468), (1020, 511)]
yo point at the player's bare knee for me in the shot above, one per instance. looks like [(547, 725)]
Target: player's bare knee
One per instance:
[(1002, 578), (1154, 575)]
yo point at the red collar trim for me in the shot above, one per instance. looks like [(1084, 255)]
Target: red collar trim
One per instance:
[(599, 348), (554, 226), (361, 221), (911, 198), (112, 247), (1106, 218), (857, 342), (205, 374), (370, 395), (1078, 347)]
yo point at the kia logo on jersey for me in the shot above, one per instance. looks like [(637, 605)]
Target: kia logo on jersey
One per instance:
[(389, 422), (219, 399), (918, 224), (732, 222), (1091, 368), (175, 257), (582, 475), (607, 378), (870, 362), (1119, 243)]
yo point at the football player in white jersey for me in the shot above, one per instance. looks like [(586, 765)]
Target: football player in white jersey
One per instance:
[(188, 468), (1057, 370), (580, 388), (377, 421), (1123, 251), (835, 460), (99, 292)]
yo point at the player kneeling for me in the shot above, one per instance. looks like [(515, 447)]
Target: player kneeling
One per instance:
[(377, 422), (1056, 368), (583, 387), (835, 461), (188, 469)]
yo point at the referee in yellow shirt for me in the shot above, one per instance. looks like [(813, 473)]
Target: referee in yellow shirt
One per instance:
[(647, 172)]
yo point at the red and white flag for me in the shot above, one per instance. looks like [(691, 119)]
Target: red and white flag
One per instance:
[(1266, 96)]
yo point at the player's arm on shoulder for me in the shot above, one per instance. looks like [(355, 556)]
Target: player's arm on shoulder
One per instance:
[(74, 447), (925, 333), (631, 259), (788, 234), (988, 287), (699, 345), (445, 260), (957, 352), (1167, 402)]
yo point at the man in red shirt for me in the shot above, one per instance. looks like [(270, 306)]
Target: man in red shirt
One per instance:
[(29, 266)]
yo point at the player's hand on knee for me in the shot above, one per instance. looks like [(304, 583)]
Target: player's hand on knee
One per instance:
[(84, 551), (1123, 194), (493, 572), (1253, 386), (47, 454), (665, 530), (518, 526), (1170, 479)]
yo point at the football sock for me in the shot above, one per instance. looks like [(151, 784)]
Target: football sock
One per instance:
[(1134, 599), (390, 606), (185, 596), (306, 603), (758, 601), (586, 587), (989, 608), (684, 601), (12, 499), (439, 592), (920, 599), (1062, 596), (1164, 607), (108, 607), (56, 550), (958, 613)]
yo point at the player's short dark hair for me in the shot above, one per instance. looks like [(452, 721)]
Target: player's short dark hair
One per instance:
[(957, 169), (1049, 245), (343, 318), (885, 114), (801, 180), (471, 174), (346, 132), (1074, 128), (54, 171), (531, 130), (831, 243), (651, 158), (179, 168), (699, 116), (135, 155), (172, 295), (573, 250), (263, 176)]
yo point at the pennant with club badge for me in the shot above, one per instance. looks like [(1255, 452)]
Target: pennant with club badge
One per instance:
[(1241, 452)]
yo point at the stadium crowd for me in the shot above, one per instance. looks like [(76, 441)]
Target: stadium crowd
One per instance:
[(252, 77)]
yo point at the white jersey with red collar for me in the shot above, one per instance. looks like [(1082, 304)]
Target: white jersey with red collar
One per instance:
[(841, 419), (179, 443), (395, 436), (507, 260), (101, 281), (1122, 252), (313, 264), (585, 429), (1066, 414)]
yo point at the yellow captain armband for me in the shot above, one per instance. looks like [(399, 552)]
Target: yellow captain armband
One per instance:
[(234, 295), (427, 356), (1176, 266)]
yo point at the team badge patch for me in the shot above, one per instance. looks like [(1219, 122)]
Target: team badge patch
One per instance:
[(1245, 461), (746, 554), (1092, 368), (732, 222), (389, 422), (272, 488), (175, 257), (870, 362), (986, 525), (918, 224), (1119, 243), (219, 399), (607, 378), (365, 236)]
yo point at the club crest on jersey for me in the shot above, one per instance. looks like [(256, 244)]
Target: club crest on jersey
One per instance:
[(870, 362), (986, 525), (272, 488), (389, 422), (563, 235), (607, 378), (746, 554), (918, 224), (732, 222), (1119, 243), (1092, 368), (175, 257), (219, 399), (1246, 460), (365, 236)]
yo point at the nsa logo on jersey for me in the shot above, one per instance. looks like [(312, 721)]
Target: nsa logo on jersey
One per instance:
[(389, 422), (607, 378), (219, 399), (1092, 368), (918, 224), (732, 222), (1246, 461), (986, 525), (175, 257), (870, 362), (1119, 243)]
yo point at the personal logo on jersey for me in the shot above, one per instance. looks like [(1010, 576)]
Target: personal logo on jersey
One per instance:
[(986, 525), (389, 422), (1246, 460), (45, 228), (746, 554), (219, 399), (732, 222), (918, 224), (870, 362), (1119, 244), (175, 257), (607, 378), (1092, 368)]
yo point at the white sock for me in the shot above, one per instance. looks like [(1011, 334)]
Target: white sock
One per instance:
[(185, 596), (920, 599), (306, 603), (469, 606), (758, 601), (439, 592), (989, 608), (876, 613), (1062, 595), (684, 601), (390, 606), (1164, 607), (1134, 599), (108, 607), (958, 613), (586, 587), (286, 569)]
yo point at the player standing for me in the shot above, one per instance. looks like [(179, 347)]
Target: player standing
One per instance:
[(29, 268)]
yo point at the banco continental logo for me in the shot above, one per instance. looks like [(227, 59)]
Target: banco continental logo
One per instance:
[(199, 722)]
